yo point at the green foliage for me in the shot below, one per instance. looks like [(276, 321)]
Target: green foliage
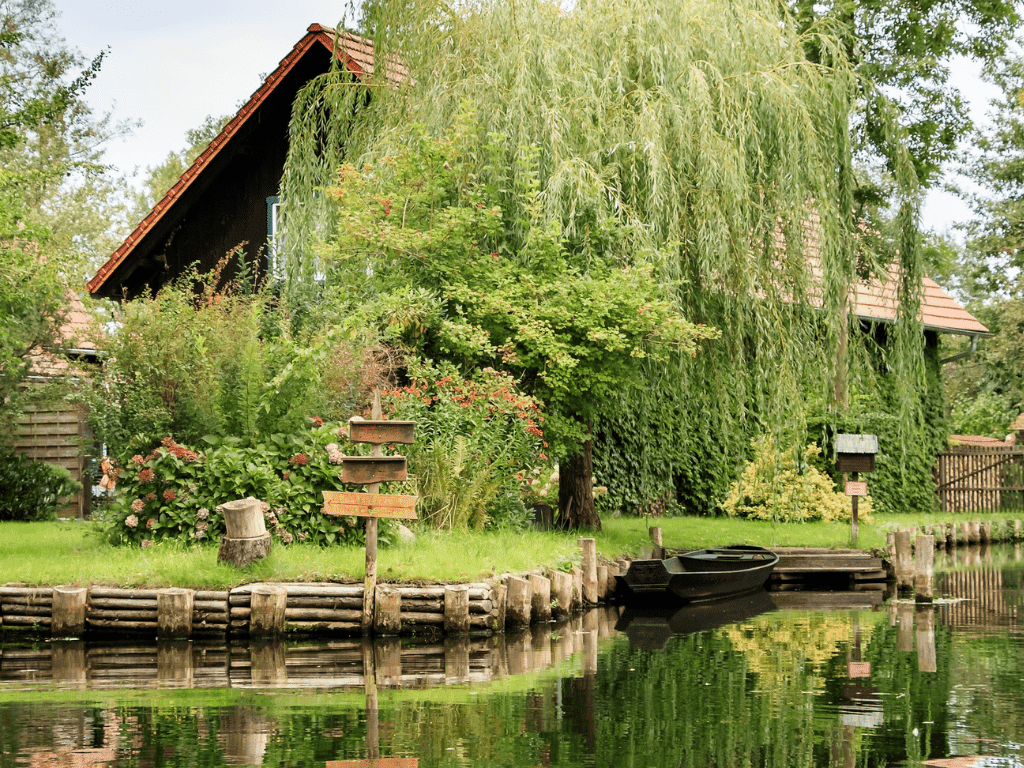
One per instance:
[(476, 444), (787, 487), (198, 359), (173, 492), (33, 490)]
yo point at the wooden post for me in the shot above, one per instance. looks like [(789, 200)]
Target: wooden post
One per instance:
[(456, 609), (67, 611), (174, 612), (603, 591), (951, 535), (370, 577), (589, 570), (986, 532), (561, 591), (267, 610), (965, 532), (540, 603), (924, 568), (904, 562), (659, 549), (387, 611), (854, 523), (67, 663), (1016, 530), (518, 602), (499, 598), (577, 589)]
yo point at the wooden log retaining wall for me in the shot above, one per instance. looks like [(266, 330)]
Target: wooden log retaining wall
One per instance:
[(328, 608)]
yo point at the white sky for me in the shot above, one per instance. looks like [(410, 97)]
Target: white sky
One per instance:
[(172, 64)]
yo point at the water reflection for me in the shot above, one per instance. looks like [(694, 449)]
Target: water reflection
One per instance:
[(767, 681)]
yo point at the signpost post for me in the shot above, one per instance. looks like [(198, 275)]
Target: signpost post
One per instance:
[(855, 454), (371, 471)]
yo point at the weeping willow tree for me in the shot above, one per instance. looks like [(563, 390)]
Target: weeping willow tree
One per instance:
[(698, 137)]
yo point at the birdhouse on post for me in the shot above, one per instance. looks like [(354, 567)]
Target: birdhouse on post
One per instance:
[(855, 454)]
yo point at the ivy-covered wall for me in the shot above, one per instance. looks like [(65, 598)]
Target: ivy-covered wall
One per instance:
[(665, 448)]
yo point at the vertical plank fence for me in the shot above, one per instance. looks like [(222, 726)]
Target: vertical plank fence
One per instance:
[(971, 478)]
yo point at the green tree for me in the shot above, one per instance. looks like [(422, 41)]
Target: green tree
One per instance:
[(697, 138), (904, 53), (424, 244)]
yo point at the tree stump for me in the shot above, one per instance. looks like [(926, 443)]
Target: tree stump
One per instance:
[(246, 538), (267, 610), (456, 610)]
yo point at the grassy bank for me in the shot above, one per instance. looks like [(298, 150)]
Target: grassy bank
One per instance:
[(72, 553)]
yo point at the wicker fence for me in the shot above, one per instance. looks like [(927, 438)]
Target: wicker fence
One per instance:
[(981, 479)]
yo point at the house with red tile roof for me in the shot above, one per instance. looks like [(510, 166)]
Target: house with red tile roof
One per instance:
[(226, 198)]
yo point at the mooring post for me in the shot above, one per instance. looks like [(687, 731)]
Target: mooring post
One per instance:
[(387, 611), (267, 604), (561, 591), (174, 612), (456, 609), (658, 552), (924, 568), (518, 602), (589, 586), (951, 535), (904, 561), (540, 602), (986, 532), (67, 611)]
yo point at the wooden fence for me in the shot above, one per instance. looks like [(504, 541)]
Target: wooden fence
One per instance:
[(981, 479), (58, 436)]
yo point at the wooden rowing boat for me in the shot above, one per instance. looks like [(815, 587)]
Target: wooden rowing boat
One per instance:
[(703, 574)]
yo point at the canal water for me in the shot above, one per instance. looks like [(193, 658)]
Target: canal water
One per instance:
[(779, 680)]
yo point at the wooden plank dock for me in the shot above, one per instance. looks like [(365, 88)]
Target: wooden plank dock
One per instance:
[(820, 568)]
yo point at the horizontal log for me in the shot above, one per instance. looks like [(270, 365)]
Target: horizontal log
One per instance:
[(10, 591), (321, 614), (476, 592), (106, 624), (16, 601), (310, 590), (239, 599), (111, 614), (332, 603), (328, 626), (26, 620), (211, 606), (419, 605), (203, 594), (26, 610), (131, 594), (117, 602)]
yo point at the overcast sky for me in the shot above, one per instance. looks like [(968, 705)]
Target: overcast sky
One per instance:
[(171, 65)]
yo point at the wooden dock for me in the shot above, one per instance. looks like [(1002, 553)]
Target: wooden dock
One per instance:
[(823, 569)]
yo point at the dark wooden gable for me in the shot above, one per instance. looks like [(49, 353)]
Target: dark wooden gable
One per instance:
[(220, 202)]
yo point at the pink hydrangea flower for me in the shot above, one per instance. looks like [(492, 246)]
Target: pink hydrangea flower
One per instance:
[(147, 543), (131, 521), (138, 505)]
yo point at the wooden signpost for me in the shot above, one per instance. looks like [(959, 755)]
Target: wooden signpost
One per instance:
[(855, 454), (371, 471)]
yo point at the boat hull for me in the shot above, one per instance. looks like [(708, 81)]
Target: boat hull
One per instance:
[(705, 574)]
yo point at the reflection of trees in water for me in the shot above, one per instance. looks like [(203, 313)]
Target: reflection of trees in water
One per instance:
[(777, 691)]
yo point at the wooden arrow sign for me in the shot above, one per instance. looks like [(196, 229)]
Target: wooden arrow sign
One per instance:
[(381, 431), (364, 470), (391, 505)]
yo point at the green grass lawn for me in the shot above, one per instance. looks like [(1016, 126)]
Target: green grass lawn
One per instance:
[(72, 552)]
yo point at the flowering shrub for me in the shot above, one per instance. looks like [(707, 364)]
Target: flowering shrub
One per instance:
[(476, 444), (176, 491), (776, 486)]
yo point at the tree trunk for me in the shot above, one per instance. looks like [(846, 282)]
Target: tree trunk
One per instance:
[(576, 491)]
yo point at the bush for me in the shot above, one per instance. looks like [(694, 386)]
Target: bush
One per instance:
[(787, 487), (477, 443), (173, 492), (200, 360), (33, 490)]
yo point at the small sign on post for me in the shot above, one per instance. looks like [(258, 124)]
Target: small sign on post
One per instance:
[(854, 454)]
